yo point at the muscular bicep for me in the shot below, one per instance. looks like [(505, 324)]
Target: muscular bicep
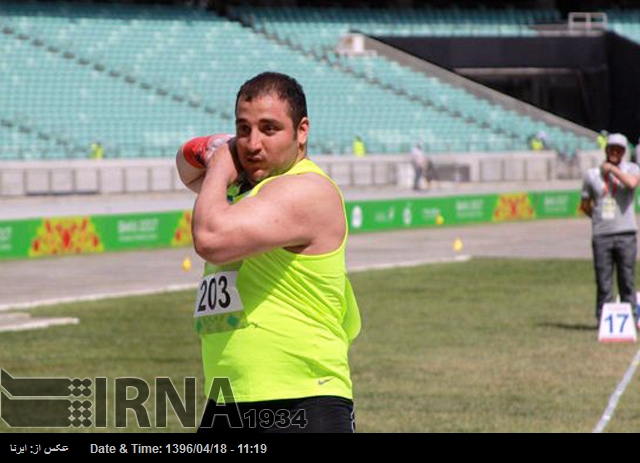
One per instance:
[(275, 217), (299, 213)]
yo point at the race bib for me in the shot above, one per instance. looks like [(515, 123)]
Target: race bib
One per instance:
[(608, 208), (218, 294), (218, 304)]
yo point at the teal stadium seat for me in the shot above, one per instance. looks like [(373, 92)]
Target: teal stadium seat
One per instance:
[(624, 22), (484, 119), (144, 79)]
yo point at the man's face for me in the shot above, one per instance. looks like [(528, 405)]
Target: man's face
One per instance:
[(615, 154), (266, 141)]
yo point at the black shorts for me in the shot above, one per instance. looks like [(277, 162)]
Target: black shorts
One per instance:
[(322, 414)]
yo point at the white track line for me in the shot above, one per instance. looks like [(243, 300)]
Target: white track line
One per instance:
[(97, 297), (613, 400), (410, 263), (172, 288), (22, 325)]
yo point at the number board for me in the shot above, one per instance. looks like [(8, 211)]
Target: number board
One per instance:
[(617, 323)]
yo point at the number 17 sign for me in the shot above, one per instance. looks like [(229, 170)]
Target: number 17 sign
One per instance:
[(616, 323)]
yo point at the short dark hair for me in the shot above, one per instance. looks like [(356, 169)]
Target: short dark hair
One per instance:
[(282, 85)]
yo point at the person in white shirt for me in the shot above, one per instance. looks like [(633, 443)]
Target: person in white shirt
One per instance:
[(419, 163), (608, 199)]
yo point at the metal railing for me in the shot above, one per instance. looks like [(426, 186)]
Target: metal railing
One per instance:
[(583, 20)]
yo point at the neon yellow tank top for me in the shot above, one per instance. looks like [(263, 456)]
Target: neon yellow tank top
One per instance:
[(279, 325)]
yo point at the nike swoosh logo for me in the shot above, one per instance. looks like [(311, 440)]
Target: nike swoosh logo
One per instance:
[(322, 381)]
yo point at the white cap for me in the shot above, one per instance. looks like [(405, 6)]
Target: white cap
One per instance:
[(617, 139)]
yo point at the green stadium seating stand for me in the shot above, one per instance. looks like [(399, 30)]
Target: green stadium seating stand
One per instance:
[(144, 79)]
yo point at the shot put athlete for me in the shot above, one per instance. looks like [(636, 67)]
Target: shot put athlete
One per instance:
[(275, 311)]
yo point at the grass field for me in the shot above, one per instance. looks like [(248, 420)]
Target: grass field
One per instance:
[(488, 345)]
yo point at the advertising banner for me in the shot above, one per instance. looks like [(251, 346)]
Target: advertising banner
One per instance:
[(57, 236)]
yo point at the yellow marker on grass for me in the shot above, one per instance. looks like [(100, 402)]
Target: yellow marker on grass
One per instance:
[(457, 245)]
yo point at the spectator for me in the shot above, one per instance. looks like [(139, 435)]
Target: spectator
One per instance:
[(535, 143), (359, 148), (539, 141), (97, 151), (419, 162), (608, 199), (602, 139)]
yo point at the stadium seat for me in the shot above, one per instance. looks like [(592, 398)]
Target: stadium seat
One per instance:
[(143, 79)]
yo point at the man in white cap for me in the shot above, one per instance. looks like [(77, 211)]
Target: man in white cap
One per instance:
[(608, 198)]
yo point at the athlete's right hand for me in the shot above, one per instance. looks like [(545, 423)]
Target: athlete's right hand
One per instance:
[(197, 151), (224, 162), (193, 156)]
